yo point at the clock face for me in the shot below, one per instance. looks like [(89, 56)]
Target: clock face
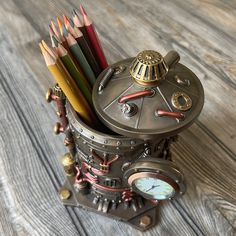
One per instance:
[(154, 188)]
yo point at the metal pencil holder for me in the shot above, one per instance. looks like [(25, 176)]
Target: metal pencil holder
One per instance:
[(146, 101)]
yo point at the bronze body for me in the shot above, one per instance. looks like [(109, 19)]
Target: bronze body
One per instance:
[(146, 101)]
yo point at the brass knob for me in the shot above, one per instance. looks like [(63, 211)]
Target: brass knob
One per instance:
[(58, 128), (49, 95), (68, 163)]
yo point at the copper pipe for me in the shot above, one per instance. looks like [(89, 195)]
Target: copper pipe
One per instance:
[(136, 95), (177, 115)]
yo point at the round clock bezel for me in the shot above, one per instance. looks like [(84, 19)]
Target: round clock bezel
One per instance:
[(136, 176), (155, 168)]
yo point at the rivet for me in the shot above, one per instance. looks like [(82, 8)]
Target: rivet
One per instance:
[(92, 137), (105, 141), (132, 142), (64, 194), (81, 130), (118, 143), (177, 181)]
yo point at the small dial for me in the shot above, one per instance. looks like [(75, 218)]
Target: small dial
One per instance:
[(154, 188)]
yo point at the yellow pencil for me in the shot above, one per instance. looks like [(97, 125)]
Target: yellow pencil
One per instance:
[(69, 87)]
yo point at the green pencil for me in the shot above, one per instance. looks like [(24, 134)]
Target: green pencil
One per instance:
[(73, 71), (81, 59)]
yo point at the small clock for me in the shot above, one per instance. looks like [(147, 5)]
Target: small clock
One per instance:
[(155, 179)]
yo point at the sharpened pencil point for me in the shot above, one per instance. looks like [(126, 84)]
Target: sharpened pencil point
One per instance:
[(60, 24), (50, 30), (55, 41), (65, 31), (43, 50), (74, 12), (65, 19), (71, 22), (82, 10)]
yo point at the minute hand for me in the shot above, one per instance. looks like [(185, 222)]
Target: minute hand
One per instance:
[(153, 186)]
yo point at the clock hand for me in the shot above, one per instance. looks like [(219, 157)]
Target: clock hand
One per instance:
[(153, 186)]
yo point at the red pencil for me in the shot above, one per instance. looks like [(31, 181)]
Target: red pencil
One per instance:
[(94, 39)]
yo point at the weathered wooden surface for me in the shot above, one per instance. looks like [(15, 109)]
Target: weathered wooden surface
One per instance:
[(204, 34)]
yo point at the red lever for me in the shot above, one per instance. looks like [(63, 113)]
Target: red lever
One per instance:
[(132, 96), (177, 115)]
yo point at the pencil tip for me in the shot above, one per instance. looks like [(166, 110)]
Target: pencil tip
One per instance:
[(65, 19), (65, 31), (82, 10), (50, 30), (71, 22), (43, 50), (55, 41), (74, 12), (60, 24)]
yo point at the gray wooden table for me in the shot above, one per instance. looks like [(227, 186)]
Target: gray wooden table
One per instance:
[(203, 32)]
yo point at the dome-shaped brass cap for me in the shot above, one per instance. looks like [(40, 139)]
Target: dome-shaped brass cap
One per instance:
[(148, 67)]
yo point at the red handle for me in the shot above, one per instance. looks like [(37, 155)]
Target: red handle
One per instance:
[(135, 95), (177, 115)]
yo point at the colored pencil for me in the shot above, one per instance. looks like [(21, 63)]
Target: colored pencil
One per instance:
[(81, 59), (78, 35), (69, 87), (80, 25), (94, 39), (74, 72)]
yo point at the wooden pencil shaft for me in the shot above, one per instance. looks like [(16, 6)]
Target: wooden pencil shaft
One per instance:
[(70, 92), (78, 54), (75, 74), (96, 46), (85, 34), (89, 55)]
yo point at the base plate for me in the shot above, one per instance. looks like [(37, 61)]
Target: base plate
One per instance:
[(141, 216)]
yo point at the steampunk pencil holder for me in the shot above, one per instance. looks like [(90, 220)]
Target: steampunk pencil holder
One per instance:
[(124, 173)]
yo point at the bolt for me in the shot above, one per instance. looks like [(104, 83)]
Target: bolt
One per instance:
[(145, 221), (64, 194)]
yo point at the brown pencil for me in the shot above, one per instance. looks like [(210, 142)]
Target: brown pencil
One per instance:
[(94, 39)]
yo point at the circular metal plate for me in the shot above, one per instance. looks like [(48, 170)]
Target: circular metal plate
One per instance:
[(143, 123)]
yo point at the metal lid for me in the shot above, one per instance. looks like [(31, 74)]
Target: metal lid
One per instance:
[(148, 96)]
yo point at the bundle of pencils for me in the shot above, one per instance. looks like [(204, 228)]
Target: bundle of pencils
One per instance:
[(75, 59)]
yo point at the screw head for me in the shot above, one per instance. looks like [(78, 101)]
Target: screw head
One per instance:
[(64, 194), (145, 221)]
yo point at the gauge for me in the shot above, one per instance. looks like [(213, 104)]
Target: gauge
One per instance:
[(155, 179)]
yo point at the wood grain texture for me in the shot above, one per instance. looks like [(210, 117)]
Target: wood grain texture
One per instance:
[(204, 34)]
